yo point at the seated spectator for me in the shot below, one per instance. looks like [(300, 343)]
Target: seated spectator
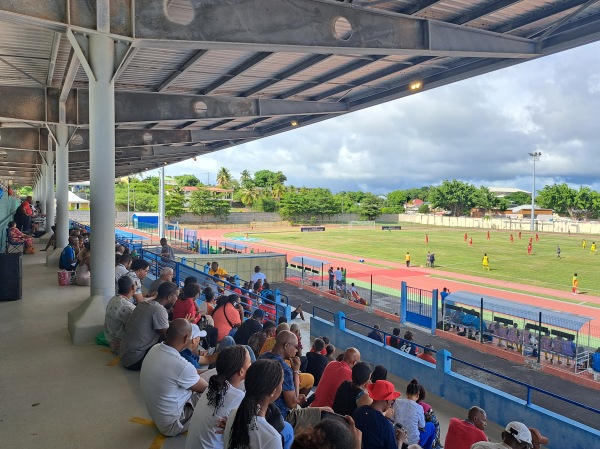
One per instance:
[(330, 434), (329, 352), (316, 361), (375, 334), (462, 434), (249, 327), (270, 342), (228, 315), (119, 249), (307, 380), (377, 431), (219, 400), (52, 239), (356, 296), (257, 340), (170, 385), (16, 236), (217, 272), (166, 275), (537, 438), (139, 271), (428, 354), (82, 273), (264, 288), (258, 275), (147, 324), (166, 252), (333, 375), (190, 352), (351, 394), (290, 400), (412, 417), (185, 307), (118, 310), (407, 344), (395, 338), (247, 426), (430, 416), (123, 266), (379, 373), (516, 435), (68, 259)]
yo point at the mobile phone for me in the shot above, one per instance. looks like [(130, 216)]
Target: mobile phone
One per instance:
[(334, 417)]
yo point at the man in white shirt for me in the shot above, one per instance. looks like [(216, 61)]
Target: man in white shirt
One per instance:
[(123, 266), (258, 275), (170, 384)]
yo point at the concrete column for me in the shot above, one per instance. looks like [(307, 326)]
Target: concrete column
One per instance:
[(41, 185), (102, 166), (62, 182), (49, 175)]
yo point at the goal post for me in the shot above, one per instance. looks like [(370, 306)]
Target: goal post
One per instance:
[(358, 224)]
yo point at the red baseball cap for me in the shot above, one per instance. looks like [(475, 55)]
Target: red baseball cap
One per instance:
[(382, 390)]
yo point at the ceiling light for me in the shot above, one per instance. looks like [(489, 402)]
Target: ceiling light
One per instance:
[(11, 172), (294, 123), (415, 85)]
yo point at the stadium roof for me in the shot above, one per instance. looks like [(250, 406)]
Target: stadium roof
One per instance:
[(197, 76)]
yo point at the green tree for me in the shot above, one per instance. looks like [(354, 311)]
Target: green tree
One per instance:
[(202, 203), (292, 206), (187, 181), (246, 179), (559, 197), (485, 199), (396, 198), (518, 198), (174, 202), (265, 178), (424, 208), (223, 178), (25, 191), (248, 195), (456, 196), (277, 191), (370, 207), (265, 204)]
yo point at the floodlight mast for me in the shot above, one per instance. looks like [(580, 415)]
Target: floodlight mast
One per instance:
[(535, 156)]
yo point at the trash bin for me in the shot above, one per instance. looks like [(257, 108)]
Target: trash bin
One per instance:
[(10, 267)]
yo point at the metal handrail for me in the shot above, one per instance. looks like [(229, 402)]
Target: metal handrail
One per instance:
[(529, 387), (315, 308)]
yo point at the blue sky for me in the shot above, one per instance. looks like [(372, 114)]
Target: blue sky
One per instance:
[(478, 130)]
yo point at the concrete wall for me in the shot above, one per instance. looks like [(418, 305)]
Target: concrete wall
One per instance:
[(501, 223), (501, 407)]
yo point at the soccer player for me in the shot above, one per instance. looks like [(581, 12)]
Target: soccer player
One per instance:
[(486, 262), (575, 284)]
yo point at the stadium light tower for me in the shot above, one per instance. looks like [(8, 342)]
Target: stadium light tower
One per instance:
[(535, 156)]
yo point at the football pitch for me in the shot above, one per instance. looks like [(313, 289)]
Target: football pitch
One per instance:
[(509, 262)]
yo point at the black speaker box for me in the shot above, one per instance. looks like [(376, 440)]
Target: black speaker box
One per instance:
[(10, 272)]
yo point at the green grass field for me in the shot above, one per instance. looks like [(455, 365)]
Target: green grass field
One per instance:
[(508, 262)]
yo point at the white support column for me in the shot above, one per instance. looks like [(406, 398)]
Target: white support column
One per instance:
[(49, 176), (41, 184), (161, 203), (62, 181), (102, 166)]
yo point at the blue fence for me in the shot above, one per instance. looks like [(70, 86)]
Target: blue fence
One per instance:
[(463, 391)]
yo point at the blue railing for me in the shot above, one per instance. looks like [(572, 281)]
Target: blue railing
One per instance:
[(316, 308), (387, 334), (530, 388)]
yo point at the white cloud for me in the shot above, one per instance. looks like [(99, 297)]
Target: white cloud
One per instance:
[(479, 129)]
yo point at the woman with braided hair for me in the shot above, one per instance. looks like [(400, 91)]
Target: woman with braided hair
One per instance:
[(247, 427), (220, 398)]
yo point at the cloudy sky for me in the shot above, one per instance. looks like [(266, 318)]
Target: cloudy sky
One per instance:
[(479, 131)]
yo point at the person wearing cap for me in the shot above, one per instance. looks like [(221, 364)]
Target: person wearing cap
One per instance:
[(249, 327), (170, 385), (516, 435), (462, 434), (377, 431), (537, 438), (190, 352)]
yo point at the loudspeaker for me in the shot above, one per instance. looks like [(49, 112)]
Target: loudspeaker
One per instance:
[(10, 267)]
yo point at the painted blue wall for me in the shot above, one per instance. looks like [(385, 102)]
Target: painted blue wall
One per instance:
[(500, 407)]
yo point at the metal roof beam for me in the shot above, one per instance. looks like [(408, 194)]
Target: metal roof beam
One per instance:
[(317, 27), (42, 106), (543, 13), (125, 138), (244, 66), (181, 70), (20, 138)]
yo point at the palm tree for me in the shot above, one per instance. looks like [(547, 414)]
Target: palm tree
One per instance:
[(277, 191), (249, 195), (245, 177), (223, 178)]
